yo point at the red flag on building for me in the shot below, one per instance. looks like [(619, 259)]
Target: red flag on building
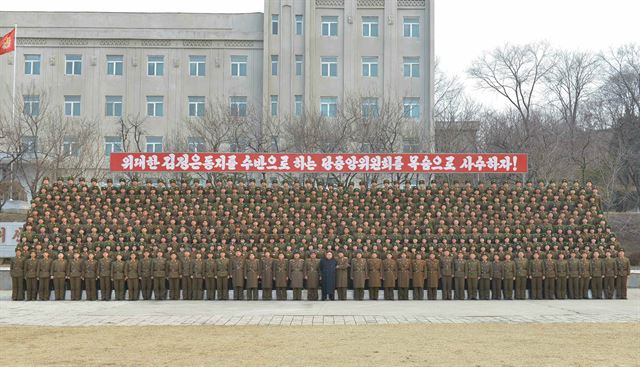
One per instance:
[(8, 42)]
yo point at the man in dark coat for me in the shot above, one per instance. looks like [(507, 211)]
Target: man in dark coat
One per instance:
[(328, 273)]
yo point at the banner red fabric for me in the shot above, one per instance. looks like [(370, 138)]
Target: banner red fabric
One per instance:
[(320, 163), (8, 42)]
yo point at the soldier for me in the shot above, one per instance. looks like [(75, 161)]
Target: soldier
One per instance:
[(174, 272), (146, 275), (610, 270), (266, 276), (59, 274), (342, 275), (585, 275), (562, 268), (223, 273), (197, 274), (17, 272), (509, 276), (359, 275), (89, 274), (549, 277), (389, 276), (31, 276), (374, 270), (522, 274), (44, 276), (296, 274), (132, 274), (312, 275), (187, 274), (75, 276), (404, 276), (459, 265), (280, 276), (446, 274), (597, 274), (418, 276), (433, 276), (104, 276), (251, 276), (117, 274), (573, 272), (623, 270), (536, 274), (159, 271), (472, 274), (497, 276), (237, 276)]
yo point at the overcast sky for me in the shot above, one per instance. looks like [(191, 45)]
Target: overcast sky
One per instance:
[(463, 28)]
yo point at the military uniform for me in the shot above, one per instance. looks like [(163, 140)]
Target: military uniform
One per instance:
[(446, 274), (132, 272), (508, 274), (418, 276), (312, 274), (562, 269), (472, 273), (159, 270), (296, 275), (374, 269), (223, 268), (573, 281), (251, 275), (17, 272), (237, 277), (610, 270), (389, 276), (597, 274), (585, 277), (89, 273), (536, 272), (459, 275), (267, 276), (623, 268), (198, 274), (522, 273), (104, 274), (497, 275), (59, 274), (146, 277), (44, 276), (174, 273), (280, 276), (404, 278), (433, 277), (31, 277), (187, 280), (117, 274), (342, 277), (75, 278)]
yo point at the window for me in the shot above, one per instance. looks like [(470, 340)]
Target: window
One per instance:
[(238, 65), (31, 105), (328, 106), (29, 144), (113, 106), (299, 25), (329, 66), (369, 107), (155, 65), (411, 67), (275, 20), (154, 144), (112, 144), (411, 27), (369, 26), (70, 146), (72, 106), (238, 106), (329, 26), (195, 145), (370, 66), (155, 106), (410, 145), (274, 105), (73, 65), (196, 106), (197, 65), (298, 105), (411, 107), (299, 65), (115, 64), (274, 65), (32, 64)]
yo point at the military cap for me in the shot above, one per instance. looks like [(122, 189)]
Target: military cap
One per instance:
[(421, 182), (81, 179), (93, 179), (109, 180), (173, 180), (161, 181), (149, 181), (122, 180), (275, 180)]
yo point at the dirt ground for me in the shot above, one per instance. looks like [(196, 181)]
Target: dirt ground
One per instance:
[(375, 345)]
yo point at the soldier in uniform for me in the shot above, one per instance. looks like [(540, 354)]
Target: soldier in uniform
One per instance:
[(497, 275), (210, 276), (132, 273), (89, 274), (359, 275), (446, 274), (296, 274), (389, 276), (585, 275), (459, 275), (187, 274), (623, 270), (44, 276), (522, 274), (159, 271), (312, 276), (536, 273), (562, 268), (251, 276), (342, 275), (117, 274), (509, 275), (75, 277), (280, 276), (433, 276), (59, 274), (104, 276), (237, 275), (146, 275), (549, 276), (418, 276), (174, 272), (610, 270), (374, 270), (404, 276), (597, 274), (31, 276), (197, 274), (472, 274), (266, 276), (223, 273), (573, 272), (16, 270)]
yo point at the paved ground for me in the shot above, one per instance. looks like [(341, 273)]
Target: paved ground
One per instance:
[(68, 313)]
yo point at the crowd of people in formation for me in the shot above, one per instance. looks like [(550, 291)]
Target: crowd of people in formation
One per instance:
[(201, 241)]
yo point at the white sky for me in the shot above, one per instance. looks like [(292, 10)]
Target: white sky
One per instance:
[(463, 28)]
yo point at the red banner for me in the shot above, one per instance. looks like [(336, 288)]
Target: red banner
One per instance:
[(320, 163)]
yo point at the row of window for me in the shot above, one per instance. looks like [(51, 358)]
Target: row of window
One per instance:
[(237, 105), (370, 26)]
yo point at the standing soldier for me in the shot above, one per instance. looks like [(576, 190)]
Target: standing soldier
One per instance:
[(237, 275), (75, 276), (312, 275), (342, 276), (472, 274), (89, 274), (280, 276), (117, 274), (358, 276), (44, 276), (536, 273), (497, 275), (251, 276), (597, 274), (187, 273), (418, 276), (433, 276), (404, 276), (610, 270), (623, 270), (197, 271), (573, 271), (459, 265), (562, 268), (104, 275), (389, 275), (266, 276), (446, 274), (223, 269), (159, 271), (549, 276), (296, 274), (585, 275), (132, 272), (509, 275), (16, 269), (174, 271), (522, 274), (374, 269), (59, 274), (210, 276), (31, 276), (146, 275)]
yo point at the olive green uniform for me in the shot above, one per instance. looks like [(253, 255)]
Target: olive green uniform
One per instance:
[(132, 272), (312, 274), (89, 273), (159, 268), (446, 274), (75, 278), (522, 273), (623, 266), (17, 272), (374, 269), (509, 274), (59, 274), (117, 274)]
